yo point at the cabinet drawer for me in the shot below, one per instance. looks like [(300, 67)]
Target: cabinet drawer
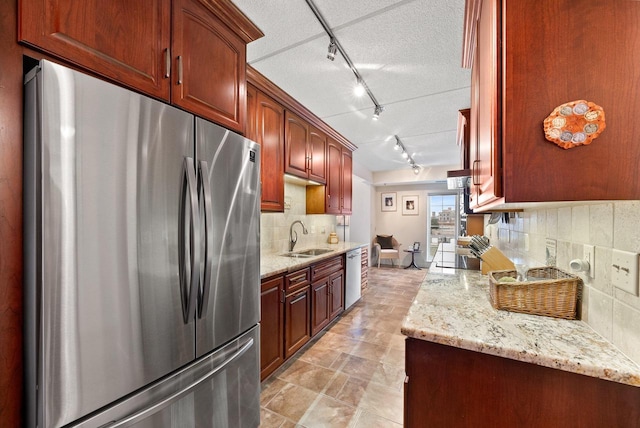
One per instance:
[(327, 267), (296, 280)]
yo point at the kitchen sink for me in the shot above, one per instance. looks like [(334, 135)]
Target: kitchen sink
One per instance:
[(315, 251), (296, 255), (308, 253)]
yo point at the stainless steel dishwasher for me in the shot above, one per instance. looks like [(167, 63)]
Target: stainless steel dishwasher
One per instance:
[(352, 283)]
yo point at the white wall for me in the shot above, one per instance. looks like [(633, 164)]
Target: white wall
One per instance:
[(613, 313), (361, 223), (405, 228)]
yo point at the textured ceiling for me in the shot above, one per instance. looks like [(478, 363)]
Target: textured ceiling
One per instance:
[(408, 53)]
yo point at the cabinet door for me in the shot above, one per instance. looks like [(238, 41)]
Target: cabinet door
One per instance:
[(346, 176), (271, 326), (251, 126), (319, 305), (487, 163), (270, 136), (123, 40), (336, 294), (297, 312), (210, 63), (317, 153), (296, 138), (334, 160)]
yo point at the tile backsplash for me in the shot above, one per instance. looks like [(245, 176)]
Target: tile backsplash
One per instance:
[(613, 313), (274, 227)]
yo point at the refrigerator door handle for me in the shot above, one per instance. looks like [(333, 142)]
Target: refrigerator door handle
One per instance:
[(189, 294), (148, 411), (204, 188)]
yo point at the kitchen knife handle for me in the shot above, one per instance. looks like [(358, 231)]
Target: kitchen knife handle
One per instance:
[(189, 293), (204, 188)]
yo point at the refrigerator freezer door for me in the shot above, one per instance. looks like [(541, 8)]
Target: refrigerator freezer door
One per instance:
[(221, 390), (107, 173), (230, 300)]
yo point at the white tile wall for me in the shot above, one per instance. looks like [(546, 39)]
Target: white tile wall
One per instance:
[(274, 227), (611, 312)]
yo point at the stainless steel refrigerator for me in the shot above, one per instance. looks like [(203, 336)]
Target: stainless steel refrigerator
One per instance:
[(141, 261)]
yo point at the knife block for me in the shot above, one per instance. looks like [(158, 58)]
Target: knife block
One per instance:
[(494, 259)]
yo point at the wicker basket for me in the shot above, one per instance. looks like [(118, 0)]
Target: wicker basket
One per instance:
[(548, 291)]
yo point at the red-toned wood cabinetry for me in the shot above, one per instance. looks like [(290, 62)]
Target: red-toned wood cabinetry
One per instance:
[(271, 325), (521, 72), (335, 197), (452, 387), (305, 148), (189, 52), (296, 306), (265, 125)]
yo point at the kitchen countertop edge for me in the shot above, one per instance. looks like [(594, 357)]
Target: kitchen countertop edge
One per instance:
[(452, 308), (273, 264)]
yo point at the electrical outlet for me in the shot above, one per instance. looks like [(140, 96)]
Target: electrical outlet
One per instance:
[(624, 271), (589, 255)]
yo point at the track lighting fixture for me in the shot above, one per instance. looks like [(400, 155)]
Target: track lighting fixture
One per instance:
[(376, 112), (334, 47), (359, 90), (406, 155), (331, 54)]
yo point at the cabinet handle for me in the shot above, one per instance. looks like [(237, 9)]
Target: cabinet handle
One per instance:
[(167, 62), (298, 296), (179, 70), (283, 297), (474, 174)]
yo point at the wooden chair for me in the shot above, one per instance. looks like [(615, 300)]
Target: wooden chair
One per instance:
[(387, 253)]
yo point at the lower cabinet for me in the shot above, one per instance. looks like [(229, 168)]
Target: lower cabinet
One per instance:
[(271, 325), (320, 305), (336, 294), (295, 307), (452, 387), (297, 331)]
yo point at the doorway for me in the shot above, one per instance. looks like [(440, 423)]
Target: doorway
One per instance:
[(443, 223)]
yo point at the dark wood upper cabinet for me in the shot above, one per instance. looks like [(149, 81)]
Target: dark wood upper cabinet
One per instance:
[(347, 181), (296, 139), (123, 40), (210, 62), (316, 151), (521, 73), (265, 125), (335, 196), (189, 52)]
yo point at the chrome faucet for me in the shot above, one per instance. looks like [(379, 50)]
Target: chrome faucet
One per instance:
[(292, 239)]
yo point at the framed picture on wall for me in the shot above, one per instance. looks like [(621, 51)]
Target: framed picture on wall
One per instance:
[(409, 205), (389, 202)]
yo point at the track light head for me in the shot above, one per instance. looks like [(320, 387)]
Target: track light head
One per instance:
[(405, 155), (331, 53), (416, 169), (377, 111), (359, 90), (396, 147)]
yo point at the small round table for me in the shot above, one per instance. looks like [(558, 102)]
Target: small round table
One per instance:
[(413, 260)]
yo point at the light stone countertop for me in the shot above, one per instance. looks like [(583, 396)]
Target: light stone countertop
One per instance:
[(452, 308), (274, 264)]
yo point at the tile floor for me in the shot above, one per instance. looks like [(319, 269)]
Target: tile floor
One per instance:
[(352, 374)]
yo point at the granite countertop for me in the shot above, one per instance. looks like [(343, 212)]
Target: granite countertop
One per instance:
[(452, 308), (274, 264)]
